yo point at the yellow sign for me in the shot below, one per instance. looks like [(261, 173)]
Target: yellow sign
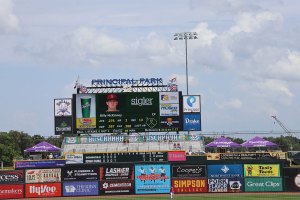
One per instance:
[(213, 156), (262, 170), (86, 123)]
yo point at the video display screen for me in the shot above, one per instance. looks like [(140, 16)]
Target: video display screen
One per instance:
[(128, 112)]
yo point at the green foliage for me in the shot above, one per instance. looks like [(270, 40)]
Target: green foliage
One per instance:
[(13, 144)]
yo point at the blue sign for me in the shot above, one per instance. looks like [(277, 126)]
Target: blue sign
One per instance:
[(191, 122), (38, 164), (80, 188), (225, 171), (150, 179)]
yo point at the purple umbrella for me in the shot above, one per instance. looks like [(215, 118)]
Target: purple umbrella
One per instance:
[(43, 147), (223, 142), (259, 142)]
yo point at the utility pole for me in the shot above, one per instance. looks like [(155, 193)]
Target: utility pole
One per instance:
[(186, 36)]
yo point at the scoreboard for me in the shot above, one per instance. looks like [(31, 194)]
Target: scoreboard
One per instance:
[(125, 157), (132, 112)]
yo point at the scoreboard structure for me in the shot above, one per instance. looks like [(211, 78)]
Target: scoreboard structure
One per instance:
[(129, 106)]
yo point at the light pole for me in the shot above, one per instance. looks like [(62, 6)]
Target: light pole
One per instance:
[(186, 36)]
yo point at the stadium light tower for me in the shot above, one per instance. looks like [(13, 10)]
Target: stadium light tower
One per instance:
[(186, 36)]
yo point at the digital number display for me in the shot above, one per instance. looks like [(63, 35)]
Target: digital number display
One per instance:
[(125, 157)]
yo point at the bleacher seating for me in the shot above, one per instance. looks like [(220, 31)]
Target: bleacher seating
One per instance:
[(93, 144)]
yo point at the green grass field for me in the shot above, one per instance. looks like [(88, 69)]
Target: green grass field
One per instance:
[(273, 196)]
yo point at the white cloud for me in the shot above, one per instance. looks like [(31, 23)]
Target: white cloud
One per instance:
[(250, 22), (288, 68), (89, 41), (205, 35), (230, 104), (8, 21), (274, 89)]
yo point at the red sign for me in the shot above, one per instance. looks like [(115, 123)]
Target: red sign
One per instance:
[(43, 190), (189, 185), (176, 156), (11, 191)]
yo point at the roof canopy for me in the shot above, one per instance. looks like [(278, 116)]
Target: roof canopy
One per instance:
[(259, 142), (43, 147), (223, 142)]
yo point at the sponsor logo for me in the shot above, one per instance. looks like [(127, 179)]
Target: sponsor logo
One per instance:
[(197, 170), (70, 173), (42, 189), (263, 184), (164, 97), (80, 188), (63, 127), (71, 140), (105, 185), (225, 169), (9, 178), (235, 185), (189, 183), (63, 107), (70, 188), (10, 191), (117, 171), (141, 101), (297, 180), (190, 101), (192, 121), (191, 104)]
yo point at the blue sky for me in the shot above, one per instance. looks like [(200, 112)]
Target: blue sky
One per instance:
[(245, 64)]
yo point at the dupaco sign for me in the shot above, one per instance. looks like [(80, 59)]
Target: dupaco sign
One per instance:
[(263, 185)]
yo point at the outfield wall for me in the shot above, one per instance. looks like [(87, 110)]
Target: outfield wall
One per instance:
[(195, 175)]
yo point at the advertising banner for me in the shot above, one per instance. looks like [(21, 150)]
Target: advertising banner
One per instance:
[(63, 125), (63, 107), (116, 173), (86, 188), (191, 122), (11, 176), (263, 185), (188, 171), (249, 156), (80, 173), (150, 179), (225, 171), (225, 185), (169, 123), (176, 156), (39, 164), (191, 104), (189, 185), (117, 187), (85, 111), (43, 175), (71, 140), (75, 158), (43, 190), (168, 97), (169, 109), (11, 191), (291, 179), (262, 170)]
